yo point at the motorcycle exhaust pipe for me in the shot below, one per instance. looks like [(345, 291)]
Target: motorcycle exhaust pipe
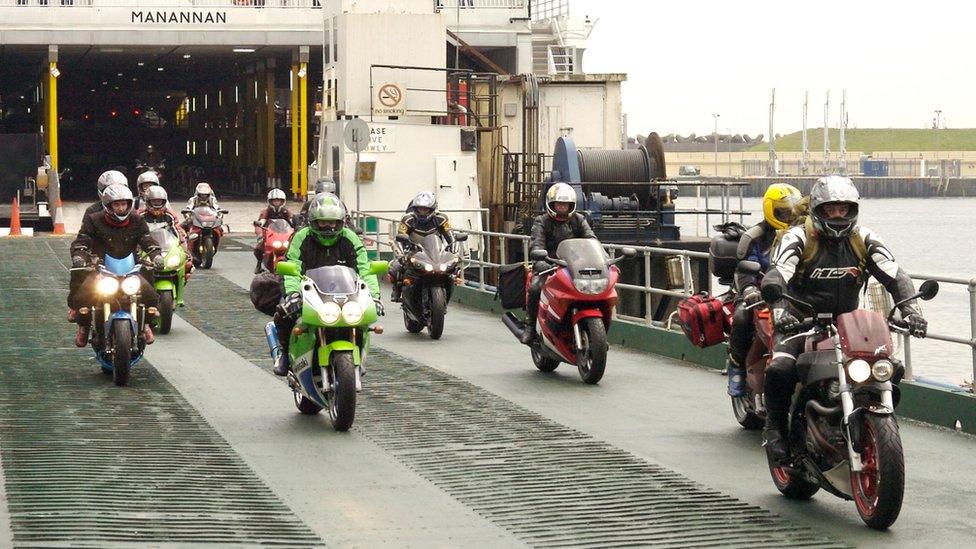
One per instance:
[(516, 326), (271, 332), (815, 407)]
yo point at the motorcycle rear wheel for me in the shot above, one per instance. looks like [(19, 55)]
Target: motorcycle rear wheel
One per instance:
[(879, 487), (594, 363), (744, 410), (790, 484), (121, 352), (342, 401), (165, 311), (438, 308)]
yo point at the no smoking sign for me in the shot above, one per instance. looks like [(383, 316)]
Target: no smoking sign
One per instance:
[(390, 100)]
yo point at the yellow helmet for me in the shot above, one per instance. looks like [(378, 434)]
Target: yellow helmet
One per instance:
[(780, 205)]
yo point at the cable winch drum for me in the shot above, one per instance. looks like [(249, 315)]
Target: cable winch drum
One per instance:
[(612, 166)]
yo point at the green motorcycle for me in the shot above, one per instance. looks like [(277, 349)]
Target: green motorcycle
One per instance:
[(328, 345), (170, 280)]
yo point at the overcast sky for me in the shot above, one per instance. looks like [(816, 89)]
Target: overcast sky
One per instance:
[(898, 61)]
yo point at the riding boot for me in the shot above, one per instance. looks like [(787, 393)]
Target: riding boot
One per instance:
[(529, 335), (258, 268), (737, 378), (282, 363), (81, 338), (397, 291)]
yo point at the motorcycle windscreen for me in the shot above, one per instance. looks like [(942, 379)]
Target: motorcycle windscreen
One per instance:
[(121, 266), (864, 334), (583, 256), (165, 238), (279, 226), (204, 214), (334, 280), (433, 246)]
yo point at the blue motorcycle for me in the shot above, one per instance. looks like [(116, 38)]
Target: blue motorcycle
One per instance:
[(118, 318)]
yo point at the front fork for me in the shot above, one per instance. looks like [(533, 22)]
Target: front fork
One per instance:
[(847, 402)]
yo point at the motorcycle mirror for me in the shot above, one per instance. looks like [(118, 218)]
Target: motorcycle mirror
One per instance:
[(287, 268), (538, 255), (403, 238), (749, 267), (378, 268), (928, 290), (256, 223), (460, 237), (225, 211), (771, 293)]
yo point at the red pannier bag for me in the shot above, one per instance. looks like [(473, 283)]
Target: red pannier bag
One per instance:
[(704, 319)]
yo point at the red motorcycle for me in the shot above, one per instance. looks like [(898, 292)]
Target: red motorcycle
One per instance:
[(575, 308), (843, 435), (276, 237), (206, 227)]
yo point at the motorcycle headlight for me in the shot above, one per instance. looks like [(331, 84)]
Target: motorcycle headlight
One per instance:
[(131, 285), (591, 286), (330, 312), (443, 267), (882, 370), (107, 285), (859, 370), (277, 244), (173, 261), (428, 267), (352, 312)]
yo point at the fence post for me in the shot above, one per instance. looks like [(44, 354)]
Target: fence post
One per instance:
[(648, 314), (972, 328)]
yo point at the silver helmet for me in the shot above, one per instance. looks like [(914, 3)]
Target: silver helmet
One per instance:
[(156, 198), (834, 189), (276, 194), (111, 177), (115, 193), (424, 199)]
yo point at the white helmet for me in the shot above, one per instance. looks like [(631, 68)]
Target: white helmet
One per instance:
[(560, 192), (203, 191), (114, 193), (155, 195), (276, 194), (111, 177), (147, 177)]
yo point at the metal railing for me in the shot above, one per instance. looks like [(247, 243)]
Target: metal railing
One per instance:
[(165, 4), (503, 242), (480, 4)]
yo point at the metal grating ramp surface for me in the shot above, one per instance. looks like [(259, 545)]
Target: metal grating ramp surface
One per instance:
[(550, 485), (88, 464)]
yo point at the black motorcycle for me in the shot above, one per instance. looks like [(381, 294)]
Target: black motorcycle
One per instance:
[(431, 269)]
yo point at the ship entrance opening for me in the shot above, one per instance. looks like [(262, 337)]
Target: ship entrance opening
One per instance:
[(220, 114)]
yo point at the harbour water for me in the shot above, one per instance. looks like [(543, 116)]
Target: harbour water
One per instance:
[(931, 236)]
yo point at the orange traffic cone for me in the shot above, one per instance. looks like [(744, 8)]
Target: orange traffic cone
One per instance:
[(58, 219), (15, 219)]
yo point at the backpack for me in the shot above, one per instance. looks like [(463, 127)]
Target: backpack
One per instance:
[(266, 292), (511, 285), (705, 319)]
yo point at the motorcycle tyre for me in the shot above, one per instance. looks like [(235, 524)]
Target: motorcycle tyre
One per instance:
[(208, 252), (881, 440), (165, 311), (438, 308), (596, 338), (342, 401), (121, 352), (791, 485)]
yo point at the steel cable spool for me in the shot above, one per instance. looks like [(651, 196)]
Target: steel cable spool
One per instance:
[(613, 166)]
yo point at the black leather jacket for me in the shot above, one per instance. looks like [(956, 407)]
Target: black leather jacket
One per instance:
[(834, 279), (99, 237), (547, 233)]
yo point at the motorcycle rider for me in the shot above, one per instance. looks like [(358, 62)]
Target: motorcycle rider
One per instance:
[(151, 158), (422, 218), (143, 182), (275, 210), (779, 212), (110, 177), (323, 185), (203, 195), (157, 210), (825, 262), (116, 231), (560, 222), (325, 241)]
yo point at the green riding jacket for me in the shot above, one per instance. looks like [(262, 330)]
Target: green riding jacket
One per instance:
[(343, 249)]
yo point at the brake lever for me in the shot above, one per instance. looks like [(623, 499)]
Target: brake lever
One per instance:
[(808, 333)]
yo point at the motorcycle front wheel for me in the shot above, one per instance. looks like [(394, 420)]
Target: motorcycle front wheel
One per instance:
[(342, 401), (121, 351), (879, 487), (165, 311), (592, 361), (208, 252), (438, 308)]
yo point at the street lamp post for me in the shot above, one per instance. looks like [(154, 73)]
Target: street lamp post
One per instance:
[(729, 130), (715, 137)]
